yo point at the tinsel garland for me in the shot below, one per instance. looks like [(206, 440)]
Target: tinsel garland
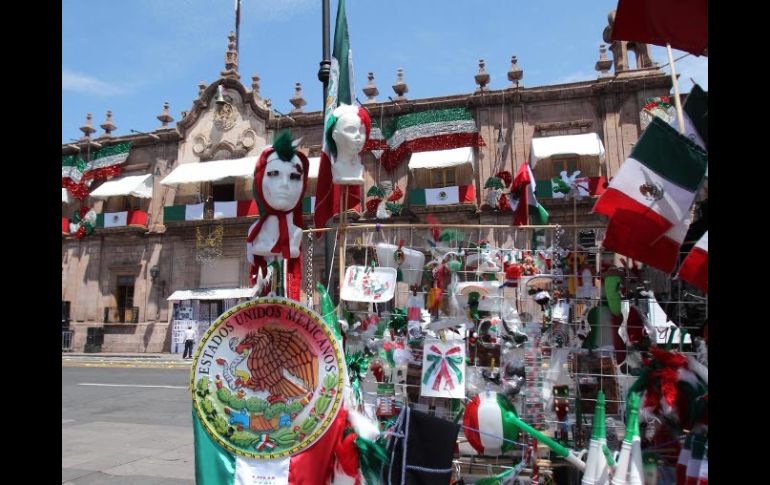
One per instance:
[(372, 456), (79, 191), (375, 191), (425, 117), (103, 173), (494, 183), (394, 208), (83, 222), (663, 102), (505, 176), (371, 206), (72, 167), (357, 365), (393, 158)]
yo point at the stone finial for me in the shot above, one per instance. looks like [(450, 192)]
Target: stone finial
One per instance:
[(255, 86), (604, 63), (201, 88), (108, 126), (515, 74), (400, 87), (297, 101), (370, 90), (482, 78), (165, 117), (88, 127), (231, 59)]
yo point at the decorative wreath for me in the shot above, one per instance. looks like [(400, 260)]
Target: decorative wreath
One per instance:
[(83, 222)]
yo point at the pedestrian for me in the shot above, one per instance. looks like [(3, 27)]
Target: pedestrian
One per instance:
[(189, 341)]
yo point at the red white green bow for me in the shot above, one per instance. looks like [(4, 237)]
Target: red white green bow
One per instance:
[(439, 367)]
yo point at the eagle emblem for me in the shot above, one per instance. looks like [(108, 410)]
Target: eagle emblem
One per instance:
[(651, 191), (280, 362), (267, 378)]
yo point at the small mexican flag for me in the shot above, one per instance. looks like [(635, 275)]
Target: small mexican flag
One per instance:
[(522, 196), (695, 267), (648, 202)]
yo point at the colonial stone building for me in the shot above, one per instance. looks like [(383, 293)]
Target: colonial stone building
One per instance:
[(184, 239)]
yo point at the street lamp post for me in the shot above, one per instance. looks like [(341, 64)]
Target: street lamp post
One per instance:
[(323, 76)]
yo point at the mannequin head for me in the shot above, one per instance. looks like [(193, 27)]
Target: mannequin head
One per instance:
[(348, 131), (280, 177)]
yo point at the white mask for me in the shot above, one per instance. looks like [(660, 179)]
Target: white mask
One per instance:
[(282, 183)]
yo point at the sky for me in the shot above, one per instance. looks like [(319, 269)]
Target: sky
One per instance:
[(131, 56)]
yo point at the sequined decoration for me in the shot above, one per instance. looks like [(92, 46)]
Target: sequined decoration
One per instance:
[(208, 244)]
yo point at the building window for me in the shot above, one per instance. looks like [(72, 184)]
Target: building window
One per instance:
[(125, 298), (443, 177), (223, 192)]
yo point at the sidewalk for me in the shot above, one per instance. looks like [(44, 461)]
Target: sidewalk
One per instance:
[(125, 355), (124, 359)]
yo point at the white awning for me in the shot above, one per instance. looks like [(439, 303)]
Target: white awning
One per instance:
[(587, 144), (315, 163), (188, 173), (65, 197), (212, 294), (136, 185), (441, 158)]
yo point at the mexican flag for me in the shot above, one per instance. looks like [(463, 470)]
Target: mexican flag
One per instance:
[(682, 23), (341, 90), (649, 199), (522, 196), (444, 196), (438, 129), (216, 466), (695, 267)]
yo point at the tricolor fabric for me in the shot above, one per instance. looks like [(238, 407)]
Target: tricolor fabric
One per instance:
[(487, 423), (225, 209), (695, 267), (461, 194), (315, 466), (682, 23), (648, 201), (522, 196), (77, 174), (431, 130), (341, 90), (192, 212)]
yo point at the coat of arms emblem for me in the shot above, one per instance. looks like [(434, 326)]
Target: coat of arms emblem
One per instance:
[(267, 378)]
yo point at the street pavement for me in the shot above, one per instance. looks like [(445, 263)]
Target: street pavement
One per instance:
[(126, 360), (123, 425)]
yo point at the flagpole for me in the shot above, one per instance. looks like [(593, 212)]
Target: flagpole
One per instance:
[(342, 242), (323, 76), (677, 101)]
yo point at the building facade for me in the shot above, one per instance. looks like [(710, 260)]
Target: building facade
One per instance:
[(167, 252)]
